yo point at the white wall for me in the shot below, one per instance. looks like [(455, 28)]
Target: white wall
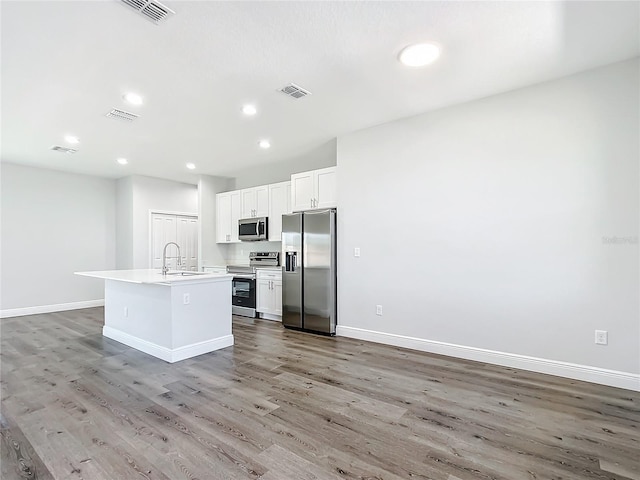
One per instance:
[(124, 223), (320, 157), (157, 195), (54, 224), (210, 253), (482, 225)]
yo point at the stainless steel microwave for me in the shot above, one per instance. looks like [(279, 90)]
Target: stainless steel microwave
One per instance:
[(253, 229)]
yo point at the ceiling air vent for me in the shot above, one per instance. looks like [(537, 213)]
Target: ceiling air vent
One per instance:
[(295, 91), (122, 115), (153, 10), (58, 148)]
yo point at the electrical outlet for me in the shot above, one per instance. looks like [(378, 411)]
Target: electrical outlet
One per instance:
[(378, 309), (126, 311), (356, 252), (186, 298), (602, 337)]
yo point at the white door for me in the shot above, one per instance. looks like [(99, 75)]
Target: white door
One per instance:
[(188, 240), (163, 230), (181, 229)]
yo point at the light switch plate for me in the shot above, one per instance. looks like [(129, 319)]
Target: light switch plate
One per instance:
[(356, 252)]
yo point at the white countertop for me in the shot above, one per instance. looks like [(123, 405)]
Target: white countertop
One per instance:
[(155, 276)]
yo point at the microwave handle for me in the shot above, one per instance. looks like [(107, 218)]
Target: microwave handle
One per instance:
[(257, 228)]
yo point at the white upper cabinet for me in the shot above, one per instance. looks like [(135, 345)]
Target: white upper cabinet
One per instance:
[(302, 191), (279, 204), (313, 190), (255, 201), (306, 191), (228, 212), (326, 188)]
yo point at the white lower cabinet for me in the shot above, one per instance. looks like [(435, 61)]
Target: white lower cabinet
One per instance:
[(269, 294)]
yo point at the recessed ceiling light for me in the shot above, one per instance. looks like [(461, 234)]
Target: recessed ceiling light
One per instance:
[(264, 144), (71, 139), (191, 166), (419, 55), (249, 110), (122, 161), (133, 98)]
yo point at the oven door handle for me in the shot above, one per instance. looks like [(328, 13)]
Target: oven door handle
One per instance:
[(247, 276)]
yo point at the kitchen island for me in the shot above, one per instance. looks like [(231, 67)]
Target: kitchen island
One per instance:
[(172, 317)]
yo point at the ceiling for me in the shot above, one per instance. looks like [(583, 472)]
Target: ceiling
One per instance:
[(66, 64)]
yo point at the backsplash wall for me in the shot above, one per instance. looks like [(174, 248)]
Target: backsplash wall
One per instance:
[(238, 253)]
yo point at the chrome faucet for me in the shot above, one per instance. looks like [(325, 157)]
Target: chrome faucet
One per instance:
[(165, 269)]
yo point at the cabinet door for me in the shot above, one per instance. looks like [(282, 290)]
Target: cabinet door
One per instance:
[(264, 302), (277, 297), (223, 218), (236, 206), (249, 202), (255, 202), (279, 201), (228, 212), (262, 201), (302, 194), (325, 187)]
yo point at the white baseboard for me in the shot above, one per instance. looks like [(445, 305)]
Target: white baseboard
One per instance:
[(612, 378), (60, 307), (168, 354)]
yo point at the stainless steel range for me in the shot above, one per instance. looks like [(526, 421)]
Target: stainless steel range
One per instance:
[(243, 292)]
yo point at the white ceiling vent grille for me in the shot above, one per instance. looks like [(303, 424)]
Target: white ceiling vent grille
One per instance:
[(153, 10), (295, 91), (122, 115), (58, 148)]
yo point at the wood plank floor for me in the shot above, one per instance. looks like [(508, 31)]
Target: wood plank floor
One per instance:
[(283, 405)]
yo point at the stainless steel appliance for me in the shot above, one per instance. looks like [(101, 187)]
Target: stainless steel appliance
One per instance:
[(243, 285), (264, 259), (253, 229), (243, 290), (309, 273)]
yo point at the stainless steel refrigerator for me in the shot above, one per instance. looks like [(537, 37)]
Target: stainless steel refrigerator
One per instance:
[(309, 271)]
